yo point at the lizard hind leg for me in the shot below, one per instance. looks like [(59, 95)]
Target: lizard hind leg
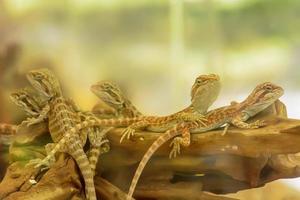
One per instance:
[(184, 140)]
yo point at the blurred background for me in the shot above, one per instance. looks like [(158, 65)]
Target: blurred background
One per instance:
[(154, 49)]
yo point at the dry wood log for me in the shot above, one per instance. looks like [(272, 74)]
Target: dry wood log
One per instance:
[(241, 159)]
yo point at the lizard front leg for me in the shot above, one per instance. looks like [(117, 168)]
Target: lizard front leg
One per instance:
[(130, 130), (96, 140), (38, 119), (184, 140)]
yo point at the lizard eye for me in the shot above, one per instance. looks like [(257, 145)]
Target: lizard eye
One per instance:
[(268, 88)]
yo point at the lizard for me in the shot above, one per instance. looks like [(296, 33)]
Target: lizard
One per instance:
[(209, 85), (204, 92), (32, 106), (111, 94), (236, 114), (62, 117), (25, 100)]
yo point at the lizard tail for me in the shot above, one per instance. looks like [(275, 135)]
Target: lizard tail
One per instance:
[(107, 122), (93, 157), (152, 149), (82, 161), (7, 132), (8, 129)]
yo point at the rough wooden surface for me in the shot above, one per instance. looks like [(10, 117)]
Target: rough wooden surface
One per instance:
[(241, 159)]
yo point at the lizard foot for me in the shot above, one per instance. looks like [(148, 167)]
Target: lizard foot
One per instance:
[(195, 118), (128, 133), (175, 144)]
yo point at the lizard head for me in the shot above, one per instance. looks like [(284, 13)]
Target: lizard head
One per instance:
[(261, 97), (205, 91), (44, 81), (108, 92), (26, 101)]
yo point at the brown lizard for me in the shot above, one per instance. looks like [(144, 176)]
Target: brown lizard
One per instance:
[(120, 106), (204, 92), (25, 100), (61, 118), (236, 114), (112, 95)]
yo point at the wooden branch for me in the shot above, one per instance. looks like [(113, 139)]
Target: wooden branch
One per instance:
[(241, 159)]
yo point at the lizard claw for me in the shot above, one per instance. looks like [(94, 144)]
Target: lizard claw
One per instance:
[(128, 133), (175, 144)]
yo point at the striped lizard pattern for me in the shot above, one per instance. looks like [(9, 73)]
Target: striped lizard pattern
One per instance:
[(236, 114), (61, 119)]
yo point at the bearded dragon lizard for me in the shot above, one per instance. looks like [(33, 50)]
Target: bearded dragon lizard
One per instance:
[(205, 87), (61, 118), (26, 102), (236, 114), (112, 95)]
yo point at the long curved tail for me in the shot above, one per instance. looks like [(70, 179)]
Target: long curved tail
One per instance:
[(83, 163), (152, 149), (7, 132)]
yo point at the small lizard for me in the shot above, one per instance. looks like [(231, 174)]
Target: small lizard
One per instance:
[(112, 95), (236, 114), (62, 117), (204, 92), (26, 102)]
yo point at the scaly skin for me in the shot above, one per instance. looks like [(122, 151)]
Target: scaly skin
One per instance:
[(61, 118), (236, 114), (209, 85)]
